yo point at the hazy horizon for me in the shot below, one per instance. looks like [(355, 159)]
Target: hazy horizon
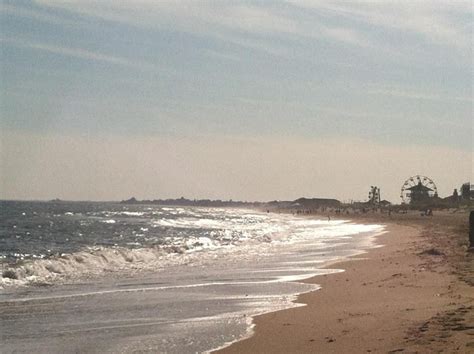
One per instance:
[(242, 100)]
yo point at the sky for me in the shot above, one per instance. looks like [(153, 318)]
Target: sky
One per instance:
[(243, 100)]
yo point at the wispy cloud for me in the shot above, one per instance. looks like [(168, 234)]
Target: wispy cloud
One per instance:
[(346, 35), (415, 94), (229, 23), (436, 21), (209, 18), (80, 53), (35, 15), (70, 52)]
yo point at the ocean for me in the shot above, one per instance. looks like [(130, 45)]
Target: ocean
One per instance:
[(109, 277)]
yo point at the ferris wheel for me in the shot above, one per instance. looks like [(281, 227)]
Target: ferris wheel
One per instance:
[(374, 195), (418, 188)]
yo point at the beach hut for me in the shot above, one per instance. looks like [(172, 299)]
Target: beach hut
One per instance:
[(419, 193)]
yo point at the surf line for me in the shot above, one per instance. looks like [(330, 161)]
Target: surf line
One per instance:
[(286, 278)]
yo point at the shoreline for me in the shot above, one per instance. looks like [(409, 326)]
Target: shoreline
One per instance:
[(332, 267), (210, 307), (401, 297)]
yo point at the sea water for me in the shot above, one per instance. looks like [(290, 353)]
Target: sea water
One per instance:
[(107, 277)]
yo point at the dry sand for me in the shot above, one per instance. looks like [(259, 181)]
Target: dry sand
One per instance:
[(414, 294)]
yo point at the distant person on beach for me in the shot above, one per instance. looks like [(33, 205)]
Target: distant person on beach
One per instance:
[(329, 218)]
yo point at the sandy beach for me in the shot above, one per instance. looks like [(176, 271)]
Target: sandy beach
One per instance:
[(412, 295)]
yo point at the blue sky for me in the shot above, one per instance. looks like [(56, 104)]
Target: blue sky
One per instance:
[(395, 74)]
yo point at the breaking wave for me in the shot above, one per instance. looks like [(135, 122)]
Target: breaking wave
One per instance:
[(191, 237)]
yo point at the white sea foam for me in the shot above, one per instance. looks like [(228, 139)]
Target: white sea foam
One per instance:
[(233, 234), (132, 213)]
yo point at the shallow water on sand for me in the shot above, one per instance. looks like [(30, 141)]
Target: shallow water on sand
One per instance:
[(193, 306)]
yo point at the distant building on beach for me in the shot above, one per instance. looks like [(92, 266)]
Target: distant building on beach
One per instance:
[(419, 193), (467, 191)]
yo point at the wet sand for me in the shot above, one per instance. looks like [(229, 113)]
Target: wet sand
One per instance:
[(414, 294)]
